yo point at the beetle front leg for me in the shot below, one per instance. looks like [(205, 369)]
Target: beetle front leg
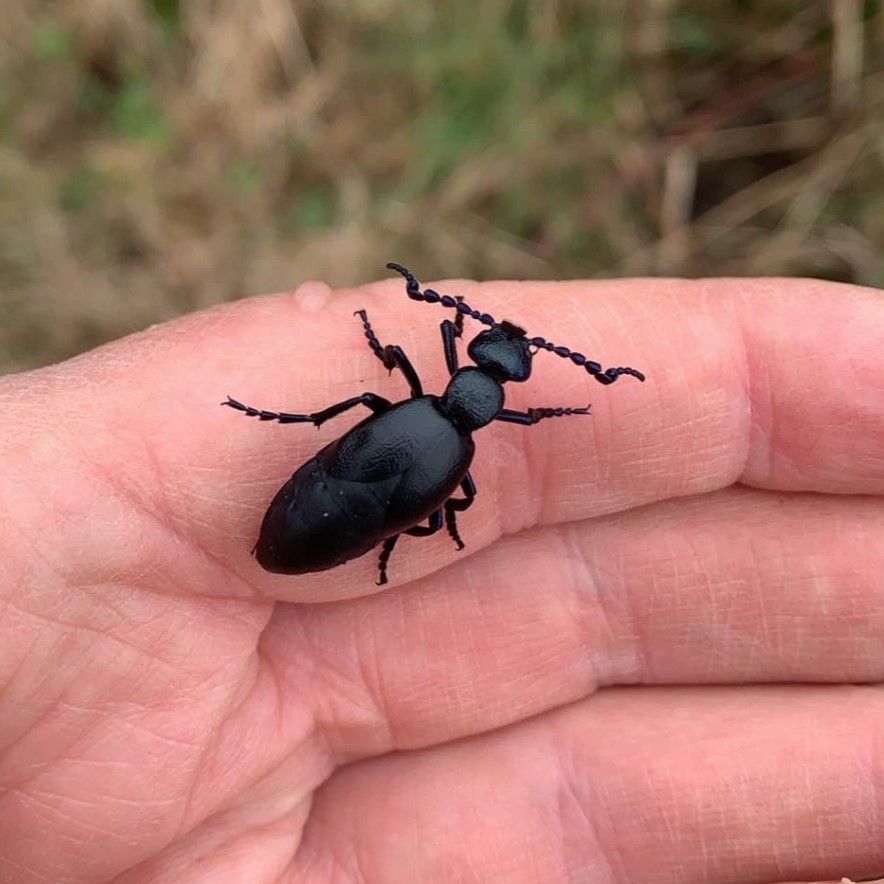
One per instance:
[(392, 355), (455, 505), (534, 415), (450, 332), (376, 404)]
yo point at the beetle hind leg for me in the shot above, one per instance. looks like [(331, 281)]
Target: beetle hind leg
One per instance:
[(455, 505), (434, 523)]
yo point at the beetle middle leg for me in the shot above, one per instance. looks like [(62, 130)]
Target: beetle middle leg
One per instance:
[(393, 356), (534, 415), (376, 404), (455, 505), (434, 523)]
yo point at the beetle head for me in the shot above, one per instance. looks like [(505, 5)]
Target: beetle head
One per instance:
[(502, 351)]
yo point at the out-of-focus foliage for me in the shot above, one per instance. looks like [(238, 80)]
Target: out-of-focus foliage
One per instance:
[(157, 155)]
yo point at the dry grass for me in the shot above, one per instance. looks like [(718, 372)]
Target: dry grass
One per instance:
[(157, 156)]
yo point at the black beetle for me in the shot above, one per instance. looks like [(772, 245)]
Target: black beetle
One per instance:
[(402, 464)]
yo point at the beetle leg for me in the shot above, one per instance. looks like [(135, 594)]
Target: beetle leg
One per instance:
[(393, 356), (377, 404), (533, 415), (450, 331), (384, 557), (456, 505), (434, 523)]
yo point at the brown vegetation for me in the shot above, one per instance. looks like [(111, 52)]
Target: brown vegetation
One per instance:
[(157, 156)]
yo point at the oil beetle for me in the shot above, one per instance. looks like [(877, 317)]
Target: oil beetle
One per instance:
[(402, 464)]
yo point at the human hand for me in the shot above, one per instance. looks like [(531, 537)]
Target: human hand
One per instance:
[(169, 712)]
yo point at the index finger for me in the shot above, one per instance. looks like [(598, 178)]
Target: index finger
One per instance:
[(772, 383)]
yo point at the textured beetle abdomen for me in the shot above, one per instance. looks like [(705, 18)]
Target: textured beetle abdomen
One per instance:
[(317, 521), (384, 476), (415, 443)]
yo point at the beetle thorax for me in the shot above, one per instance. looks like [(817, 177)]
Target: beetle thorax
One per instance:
[(473, 398)]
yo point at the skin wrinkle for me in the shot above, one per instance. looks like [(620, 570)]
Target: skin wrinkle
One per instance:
[(214, 752), (48, 713), (724, 605), (244, 588), (588, 598), (211, 844), (327, 695), (642, 668), (141, 651), (75, 836), (532, 450), (502, 465), (9, 679), (334, 871), (372, 679), (772, 636), (569, 797), (874, 798), (102, 633), (749, 384), (108, 477), (626, 811), (129, 722), (466, 636), (189, 802)]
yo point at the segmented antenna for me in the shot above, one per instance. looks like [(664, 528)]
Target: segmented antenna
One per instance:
[(413, 290), (602, 375)]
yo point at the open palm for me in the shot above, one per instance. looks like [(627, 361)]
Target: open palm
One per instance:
[(706, 548)]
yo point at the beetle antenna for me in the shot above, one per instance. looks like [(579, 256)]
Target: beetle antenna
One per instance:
[(413, 290), (602, 375)]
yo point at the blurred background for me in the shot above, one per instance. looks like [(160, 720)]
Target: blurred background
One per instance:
[(157, 156)]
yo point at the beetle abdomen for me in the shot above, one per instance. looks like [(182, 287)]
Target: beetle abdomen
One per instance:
[(384, 476), (416, 443), (317, 521)]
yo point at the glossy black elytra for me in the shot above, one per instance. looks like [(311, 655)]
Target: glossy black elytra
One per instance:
[(403, 463)]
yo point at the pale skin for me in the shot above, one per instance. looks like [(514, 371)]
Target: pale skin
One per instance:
[(656, 661)]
